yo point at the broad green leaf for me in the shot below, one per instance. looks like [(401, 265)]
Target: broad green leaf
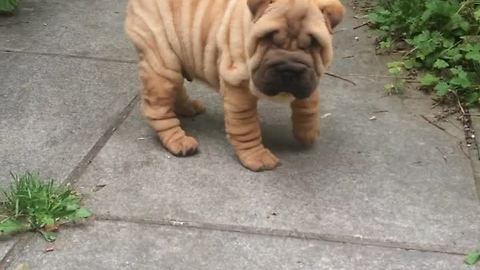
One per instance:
[(395, 71), (472, 258), (472, 98), (461, 80), (477, 14), (386, 44), (8, 5), (429, 80), (83, 213), (442, 88), (47, 220), (473, 55), (79, 214), (459, 21), (9, 226), (409, 64), (395, 64), (472, 52), (440, 64)]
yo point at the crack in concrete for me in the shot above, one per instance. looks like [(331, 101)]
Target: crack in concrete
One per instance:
[(74, 56), (286, 233), (473, 123), (15, 250), (100, 143)]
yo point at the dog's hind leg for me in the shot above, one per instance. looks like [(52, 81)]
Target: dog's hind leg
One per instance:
[(159, 97), (186, 107)]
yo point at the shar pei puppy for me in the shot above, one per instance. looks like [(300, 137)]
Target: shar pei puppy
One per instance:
[(247, 50)]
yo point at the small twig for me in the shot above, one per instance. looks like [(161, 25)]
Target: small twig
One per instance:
[(340, 77), (360, 26), (459, 103), (432, 123), (375, 76), (460, 144), (476, 147), (467, 122), (384, 111), (443, 154), (410, 52), (13, 23)]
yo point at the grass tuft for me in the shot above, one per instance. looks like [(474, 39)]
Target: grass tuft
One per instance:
[(32, 204)]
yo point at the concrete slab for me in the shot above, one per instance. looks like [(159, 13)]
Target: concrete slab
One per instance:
[(384, 180), (131, 246), (354, 48), (5, 246), (85, 28), (54, 109)]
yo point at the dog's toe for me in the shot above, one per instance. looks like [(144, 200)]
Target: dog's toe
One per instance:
[(260, 161), (183, 147)]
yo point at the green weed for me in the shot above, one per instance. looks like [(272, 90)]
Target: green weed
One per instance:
[(443, 41), (473, 257), (31, 204), (398, 85), (8, 6)]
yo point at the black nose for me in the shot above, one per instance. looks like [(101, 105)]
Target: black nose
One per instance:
[(290, 71), (288, 75)]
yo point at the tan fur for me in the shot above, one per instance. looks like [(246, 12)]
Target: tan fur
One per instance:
[(220, 43)]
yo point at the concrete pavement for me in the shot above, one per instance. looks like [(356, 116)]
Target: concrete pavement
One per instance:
[(390, 193)]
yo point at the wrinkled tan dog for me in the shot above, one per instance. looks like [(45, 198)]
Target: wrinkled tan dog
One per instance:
[(248, 49)]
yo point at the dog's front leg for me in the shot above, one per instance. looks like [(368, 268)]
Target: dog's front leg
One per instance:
[(305, 119), (243, 128)]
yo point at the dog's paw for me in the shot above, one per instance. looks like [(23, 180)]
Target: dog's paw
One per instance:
[(190, 109), (259, 160), (182, 147), (305, 136)]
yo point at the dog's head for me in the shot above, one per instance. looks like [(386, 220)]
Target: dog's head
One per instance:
[(290, 45)]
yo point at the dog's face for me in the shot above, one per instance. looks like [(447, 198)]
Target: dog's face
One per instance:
[(290, 45)]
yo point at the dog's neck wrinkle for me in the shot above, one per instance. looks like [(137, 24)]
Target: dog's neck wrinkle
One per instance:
[(232, 43)]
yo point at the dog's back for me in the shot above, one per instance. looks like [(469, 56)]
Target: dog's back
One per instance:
[(182, 34)]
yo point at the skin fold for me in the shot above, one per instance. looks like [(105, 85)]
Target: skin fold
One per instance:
[(246, 50)]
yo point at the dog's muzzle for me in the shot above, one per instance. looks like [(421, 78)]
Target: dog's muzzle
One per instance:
[(287, 74)]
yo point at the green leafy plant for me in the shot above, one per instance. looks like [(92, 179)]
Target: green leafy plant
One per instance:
[(31, 204), (443, 42), (473, 257), (8, 6), (396, 69)]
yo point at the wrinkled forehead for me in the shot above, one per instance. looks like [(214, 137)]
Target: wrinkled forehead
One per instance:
[(292, 8), (294, 14)]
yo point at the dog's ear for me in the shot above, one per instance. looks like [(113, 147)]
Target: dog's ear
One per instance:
[(257, 7), (333, 10)]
